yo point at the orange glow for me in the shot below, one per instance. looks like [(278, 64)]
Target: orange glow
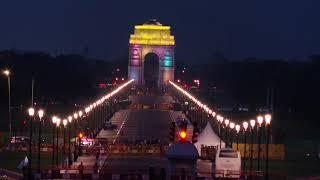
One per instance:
[(183, 134), (80, 135)]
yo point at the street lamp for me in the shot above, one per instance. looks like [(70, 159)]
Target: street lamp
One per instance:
[(220, 120), (69, 151), (232, 125), (245, 127), (238, 130), (64, 122), (7, 73), (75, 155), (31, 114), (80, 115), (267, 118), (213, 114), (260, 121), (40, 114), (226, 122), (54, 121), (252, 124), (87, 110), (58, 127), (75, 115)]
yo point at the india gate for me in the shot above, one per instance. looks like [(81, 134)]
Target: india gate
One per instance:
[(151, 54)]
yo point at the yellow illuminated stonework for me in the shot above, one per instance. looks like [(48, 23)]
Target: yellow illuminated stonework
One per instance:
[(152, 34), (151, 37)]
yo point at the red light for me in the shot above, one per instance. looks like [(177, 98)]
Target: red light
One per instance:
[(183, 135), (102, 85), (80, 135)]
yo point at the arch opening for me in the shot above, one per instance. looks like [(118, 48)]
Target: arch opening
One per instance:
[(151, 70)]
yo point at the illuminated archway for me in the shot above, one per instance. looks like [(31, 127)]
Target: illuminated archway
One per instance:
[(151, 37), (151, 70)]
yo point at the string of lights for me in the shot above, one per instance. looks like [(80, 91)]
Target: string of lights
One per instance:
[(92, 106), (221, 119)]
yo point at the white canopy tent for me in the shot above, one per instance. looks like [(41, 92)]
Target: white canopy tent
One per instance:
[(208, 138)]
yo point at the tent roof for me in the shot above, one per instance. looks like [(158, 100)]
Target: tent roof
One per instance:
[(208, 137)]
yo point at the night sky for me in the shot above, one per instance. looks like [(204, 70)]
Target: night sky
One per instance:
[(239, 29)]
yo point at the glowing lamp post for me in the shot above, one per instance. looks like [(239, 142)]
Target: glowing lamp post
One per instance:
[(75, 117), (232, 126), (213, 114), (87, 128), (220, 120), (80, 114), (7, 74), (54, 121), (69, 140), (57, 140), (245, 127), (252, 124), (237, 130), (260, 121), (268, 122), (64, 122), (40, 114), (226, 122), (31, 112)]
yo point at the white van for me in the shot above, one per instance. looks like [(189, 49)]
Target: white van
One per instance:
[(227, 163)]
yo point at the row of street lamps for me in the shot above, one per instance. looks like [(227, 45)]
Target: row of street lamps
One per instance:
[(229, 125), (66, 123)]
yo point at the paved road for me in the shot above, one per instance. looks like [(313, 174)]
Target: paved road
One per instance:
[(140, 125), (146, 125), (138, 164), (118, 119), (151, 99)]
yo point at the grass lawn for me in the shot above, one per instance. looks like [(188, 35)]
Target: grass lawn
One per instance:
[(290, 168)]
